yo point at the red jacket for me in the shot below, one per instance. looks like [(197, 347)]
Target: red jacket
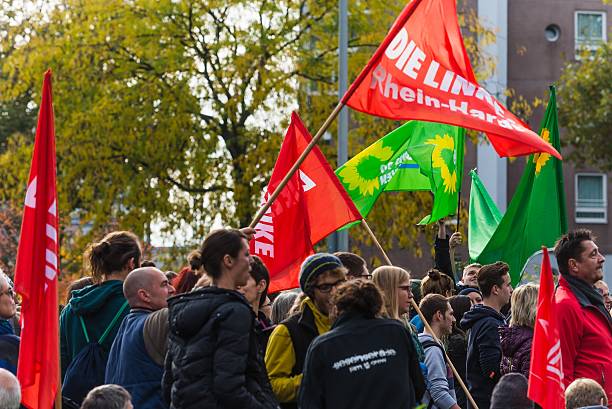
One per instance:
[(586, 340)]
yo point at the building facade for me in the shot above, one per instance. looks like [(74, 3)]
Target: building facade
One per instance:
[(534, 40)]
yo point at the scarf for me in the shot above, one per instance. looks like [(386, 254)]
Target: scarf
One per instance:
[(587, 295)]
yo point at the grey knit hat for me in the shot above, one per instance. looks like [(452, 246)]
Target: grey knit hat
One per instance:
[(316, 265)]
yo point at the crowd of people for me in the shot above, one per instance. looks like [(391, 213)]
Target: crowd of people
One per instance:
[(133, 336)]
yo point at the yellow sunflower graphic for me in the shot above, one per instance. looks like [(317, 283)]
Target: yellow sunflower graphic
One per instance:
[(540, 159), (363, 171), (441, 144)]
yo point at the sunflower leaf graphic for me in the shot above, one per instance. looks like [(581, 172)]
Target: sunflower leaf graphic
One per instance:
[(540, 159), (363, 171), (442, 143)]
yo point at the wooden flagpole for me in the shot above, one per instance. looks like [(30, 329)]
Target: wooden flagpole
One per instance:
[(418, 310)]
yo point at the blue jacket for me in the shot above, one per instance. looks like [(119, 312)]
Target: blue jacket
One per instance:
[(130, 366), (484, 352)]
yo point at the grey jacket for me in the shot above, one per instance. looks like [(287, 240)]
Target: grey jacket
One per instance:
[(440, 380)]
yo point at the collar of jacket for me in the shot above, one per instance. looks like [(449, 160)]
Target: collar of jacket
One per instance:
[(587, 295), (311, 315), (347, 317)]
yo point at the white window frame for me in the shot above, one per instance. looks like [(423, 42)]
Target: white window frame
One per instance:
[(604, 33), (604, 181)]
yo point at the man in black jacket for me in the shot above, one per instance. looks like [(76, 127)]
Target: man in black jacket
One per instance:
[(482, 322), (364, 361)]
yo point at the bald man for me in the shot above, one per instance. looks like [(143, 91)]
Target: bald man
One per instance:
[(136, 358), (10, 392)]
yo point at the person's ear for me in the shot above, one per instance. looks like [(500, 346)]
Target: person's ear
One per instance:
[(228, 261), (261, 286), (143, 295), (572, 264)]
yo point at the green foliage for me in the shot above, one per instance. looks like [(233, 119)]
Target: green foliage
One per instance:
[(585, 108), (174, 111)]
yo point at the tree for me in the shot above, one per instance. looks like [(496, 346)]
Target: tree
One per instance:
[(174, 111), (585, 103)]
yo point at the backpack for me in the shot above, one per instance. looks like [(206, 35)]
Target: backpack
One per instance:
[(86, 371), (426, 345)]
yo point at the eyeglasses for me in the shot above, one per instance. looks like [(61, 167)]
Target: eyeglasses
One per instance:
[(407, 288), (325, 288), (10, 292)]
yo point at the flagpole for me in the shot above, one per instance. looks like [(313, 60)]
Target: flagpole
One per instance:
[(427, 326), (458, 209), (371, 233)]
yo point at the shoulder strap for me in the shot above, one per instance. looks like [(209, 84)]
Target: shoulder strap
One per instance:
[(430, 343), (112, 323), (84, 328)]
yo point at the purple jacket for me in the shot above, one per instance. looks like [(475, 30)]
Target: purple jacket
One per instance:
[(516, 349)]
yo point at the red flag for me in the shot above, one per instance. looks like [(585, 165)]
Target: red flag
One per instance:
[(312, 205), (546, 370), (422, 71), (36, 269)]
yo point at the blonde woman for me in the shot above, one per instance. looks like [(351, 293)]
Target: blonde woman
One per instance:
[(516, 339), (394, 283)]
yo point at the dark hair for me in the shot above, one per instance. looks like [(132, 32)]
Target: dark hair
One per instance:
[(436, 283), (353, 263), (570, 246), (432, 303), (77, 285), (490, 275), (195, 260), (217, 245), (112, 253), (260, 272), (360, 296), (107, 397), (147, 263), (461, 304)]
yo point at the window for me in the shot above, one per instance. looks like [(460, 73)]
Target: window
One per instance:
[(591, 198), (590, 30)]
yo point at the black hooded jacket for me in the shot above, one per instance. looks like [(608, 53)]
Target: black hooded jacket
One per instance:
[(213, 360), (362, 363), (484, 352)]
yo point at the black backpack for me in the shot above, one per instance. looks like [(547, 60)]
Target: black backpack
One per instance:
[(86, 371)]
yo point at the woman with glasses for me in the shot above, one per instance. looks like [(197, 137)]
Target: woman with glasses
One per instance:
[(9, 342), (394, 283)]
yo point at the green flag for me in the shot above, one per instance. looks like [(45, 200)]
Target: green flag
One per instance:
[(383, 166), (438, 150), (484, 217), (536, 216)]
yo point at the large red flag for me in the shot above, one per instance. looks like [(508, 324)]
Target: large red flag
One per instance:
[(310, 207), (37, 267), (546, 370), (422, 71)]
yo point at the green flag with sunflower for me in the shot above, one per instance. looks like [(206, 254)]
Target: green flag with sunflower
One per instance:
[(536, 215), (383, 166), (439, 151)]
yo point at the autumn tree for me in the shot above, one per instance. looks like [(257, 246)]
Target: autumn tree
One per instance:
[(174, 111), (585, 103)]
